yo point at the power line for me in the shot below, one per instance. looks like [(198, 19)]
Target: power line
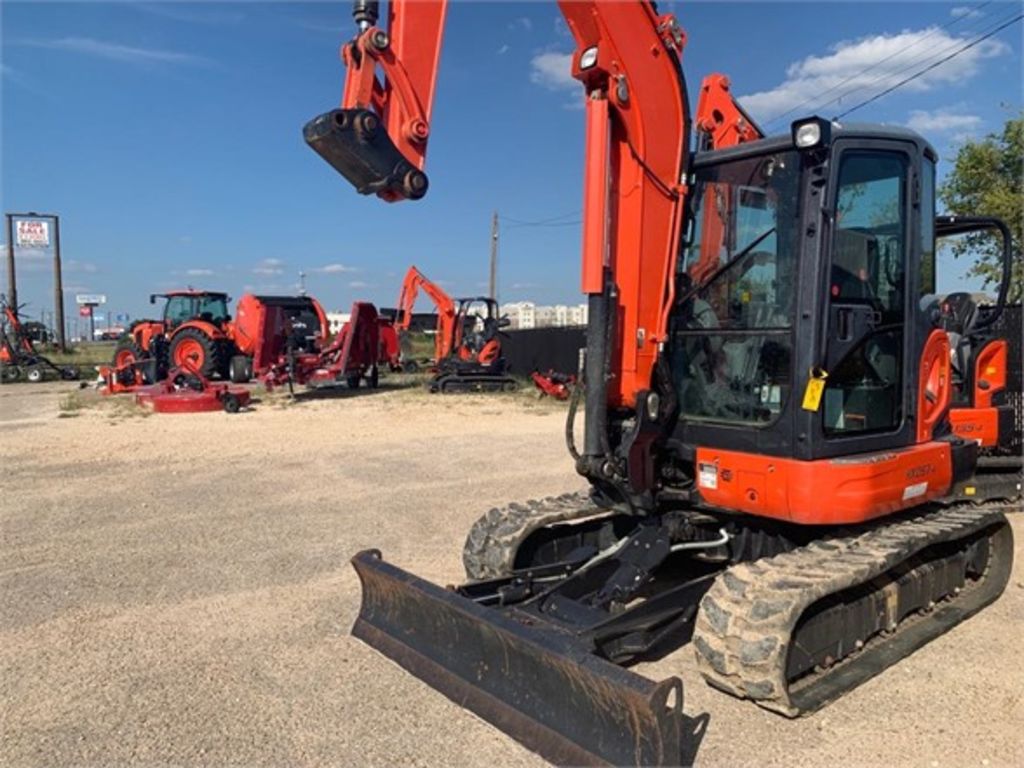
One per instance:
[(554, 221), (932, 57), (555, 224), (877, 64), (930, 67)]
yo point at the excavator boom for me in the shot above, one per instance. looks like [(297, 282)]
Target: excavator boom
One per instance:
[(414, 282)]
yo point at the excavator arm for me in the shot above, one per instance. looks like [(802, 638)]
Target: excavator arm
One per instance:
[(414, 282), (637, 127)]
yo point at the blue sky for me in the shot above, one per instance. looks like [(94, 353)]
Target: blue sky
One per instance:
[(168, 135)]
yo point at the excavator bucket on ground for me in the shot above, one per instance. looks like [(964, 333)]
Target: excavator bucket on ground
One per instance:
[(541, 685)]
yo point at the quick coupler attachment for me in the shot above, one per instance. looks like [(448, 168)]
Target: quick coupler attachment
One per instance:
[(536, 682), (357, 146)]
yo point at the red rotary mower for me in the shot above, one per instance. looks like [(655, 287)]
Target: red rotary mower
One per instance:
[(188, 391), (353, 356)]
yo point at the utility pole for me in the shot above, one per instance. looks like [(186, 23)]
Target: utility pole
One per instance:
[(494, 257), (58, 288)]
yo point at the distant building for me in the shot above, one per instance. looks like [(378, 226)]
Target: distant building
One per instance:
[(525, 314), (335, 320)]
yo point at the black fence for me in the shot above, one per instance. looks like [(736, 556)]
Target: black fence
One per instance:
[(543, 349), (422, 322)]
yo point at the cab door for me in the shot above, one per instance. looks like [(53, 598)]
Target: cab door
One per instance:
[(870, 344)]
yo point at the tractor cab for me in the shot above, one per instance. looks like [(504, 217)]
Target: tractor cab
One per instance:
[(183, 306)]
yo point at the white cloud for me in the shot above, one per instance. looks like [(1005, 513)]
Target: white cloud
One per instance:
[(522, 22), (964, 12), (333, 269), (73, 265), (503, 50), (552, 70), (358, 284), (942, 121), (858, 69), (198, 272), (268, 267), (117, 52)]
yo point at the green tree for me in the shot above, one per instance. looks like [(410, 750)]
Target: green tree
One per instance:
[(988, 180)]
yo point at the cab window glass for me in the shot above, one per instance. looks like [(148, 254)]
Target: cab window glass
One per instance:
[(179, 309), (927, 227), (213, 309), (867, 262), (731, 328), (864, 392)]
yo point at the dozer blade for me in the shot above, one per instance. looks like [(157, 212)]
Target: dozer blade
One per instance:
[(532, 680)]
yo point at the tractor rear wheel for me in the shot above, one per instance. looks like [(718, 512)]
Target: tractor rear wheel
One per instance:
[(9, 373), (195, 351), (34, 374)]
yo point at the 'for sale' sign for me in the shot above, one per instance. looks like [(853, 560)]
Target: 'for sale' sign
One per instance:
[(33, 234)]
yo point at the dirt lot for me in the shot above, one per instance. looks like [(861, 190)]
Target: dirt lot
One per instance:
[(175, 589)]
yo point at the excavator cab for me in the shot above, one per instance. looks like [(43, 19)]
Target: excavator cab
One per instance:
[(805, 326)]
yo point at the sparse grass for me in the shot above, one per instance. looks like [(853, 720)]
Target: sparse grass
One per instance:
[(114, 407), (70, 406), (85, 356)]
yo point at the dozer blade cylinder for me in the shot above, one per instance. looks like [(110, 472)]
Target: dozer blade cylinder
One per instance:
[(536, 682)]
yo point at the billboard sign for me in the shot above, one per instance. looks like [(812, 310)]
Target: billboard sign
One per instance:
[(90, 298), (33, 233)]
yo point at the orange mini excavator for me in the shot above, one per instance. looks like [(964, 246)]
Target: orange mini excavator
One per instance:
[(467, 344), (767, 390)]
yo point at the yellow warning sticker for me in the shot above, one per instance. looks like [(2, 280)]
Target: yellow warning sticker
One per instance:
[(814, 390)]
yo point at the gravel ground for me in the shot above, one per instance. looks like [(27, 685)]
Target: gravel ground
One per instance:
[(175, 589)]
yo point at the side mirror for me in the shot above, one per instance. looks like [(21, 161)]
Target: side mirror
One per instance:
[(152, 298), (504, 322)]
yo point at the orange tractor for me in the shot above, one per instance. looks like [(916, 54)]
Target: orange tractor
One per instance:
[(198, 333)]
